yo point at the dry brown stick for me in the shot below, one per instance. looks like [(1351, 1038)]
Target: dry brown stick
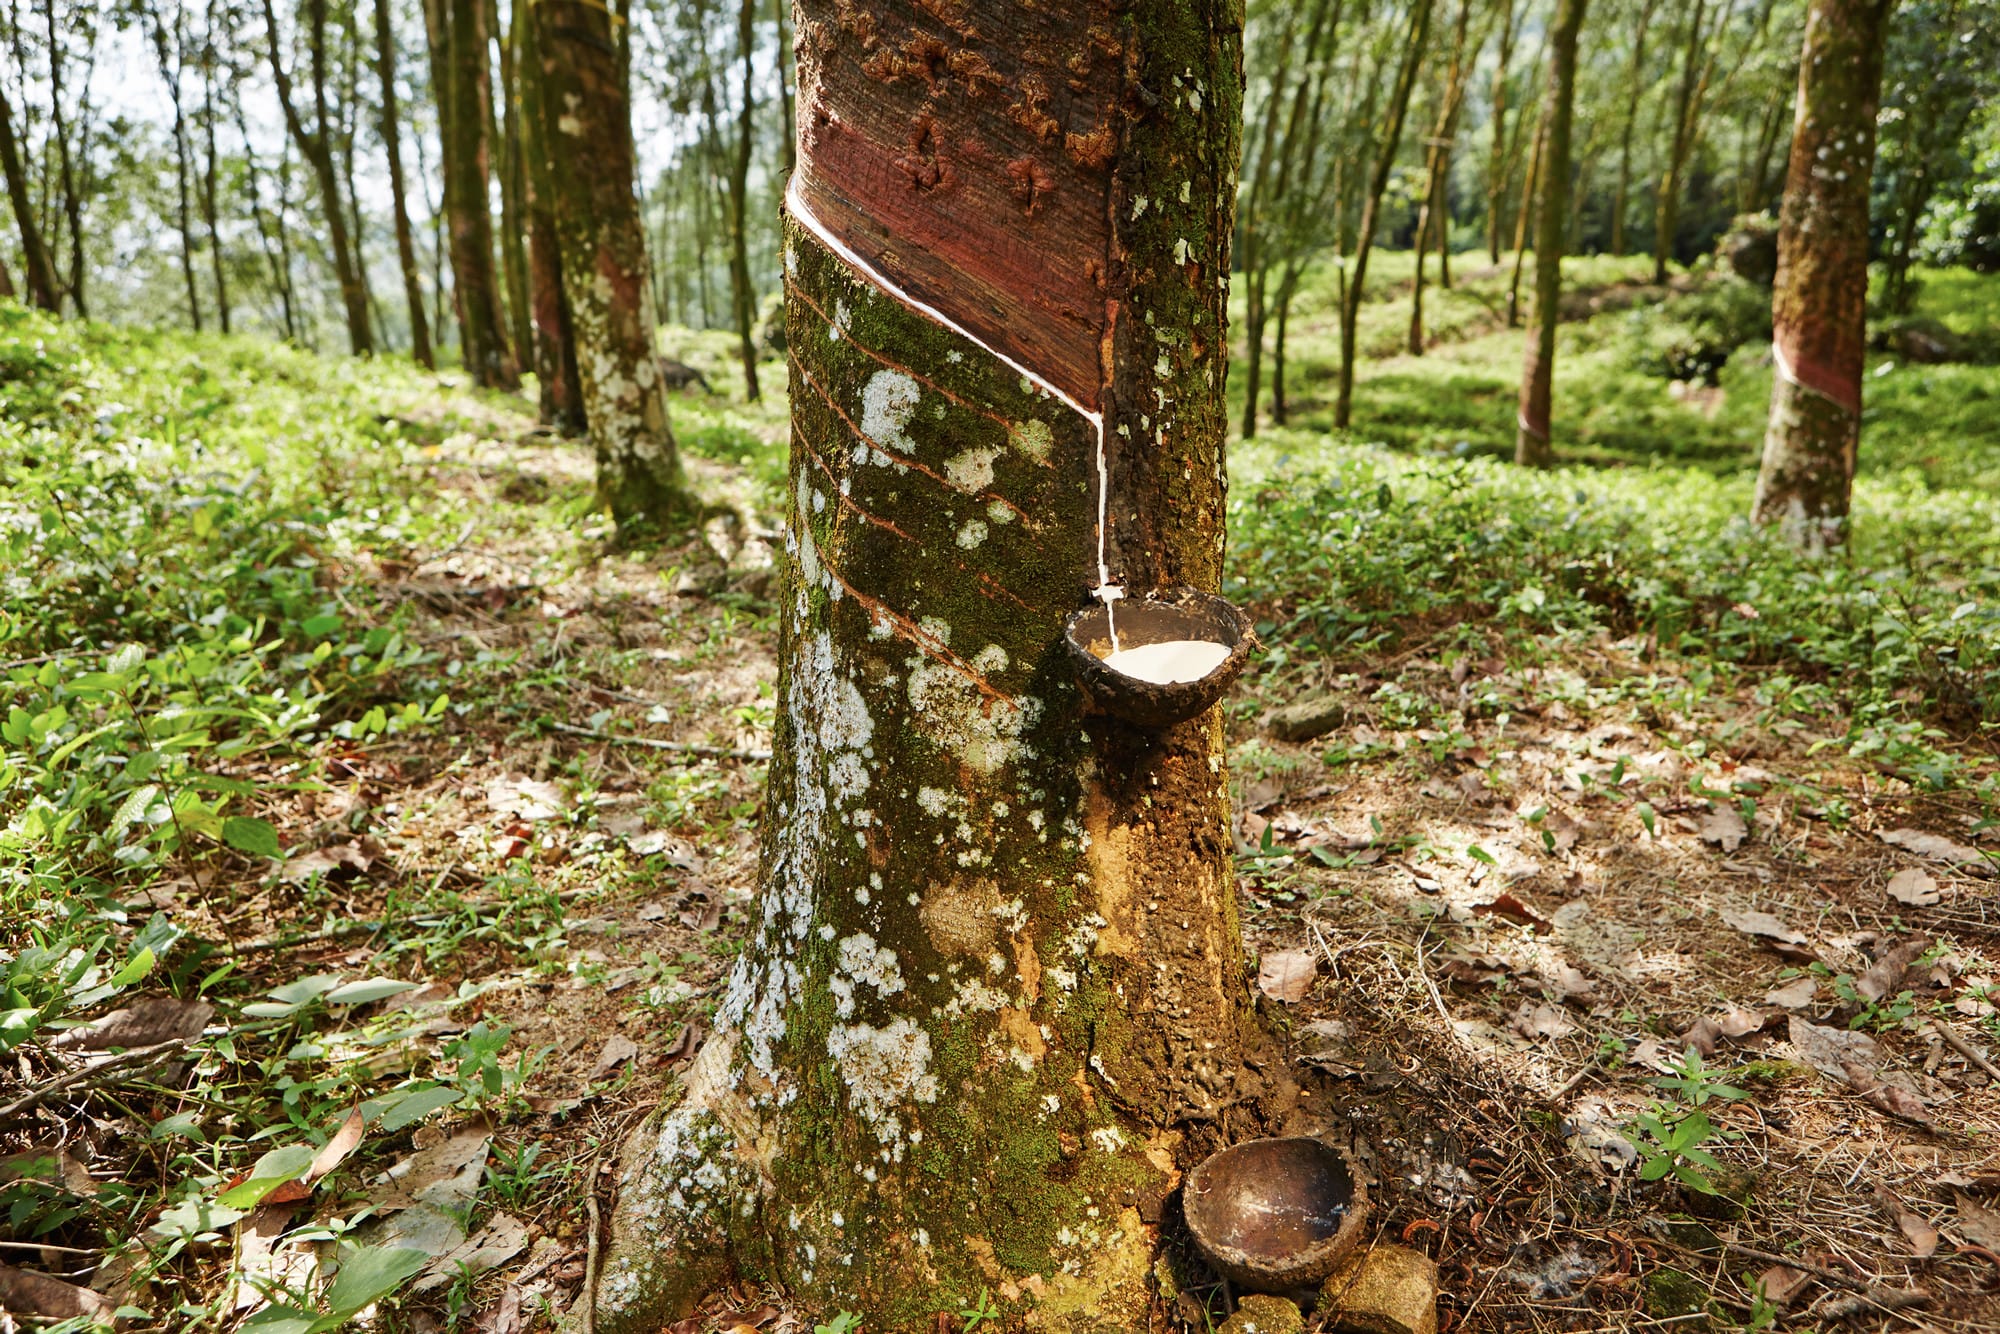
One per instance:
[(590, 1255), (681, 747), (1964, 1048), (145, 1058)]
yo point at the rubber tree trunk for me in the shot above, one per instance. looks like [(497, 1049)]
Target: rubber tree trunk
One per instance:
[(1819, 302), (66, 154), (742, 295), (556, 375), (392, 145), (37, 271), (211, 178), (996, 1002), (513, 188), (459, 29), (1687, 110), (1364, 241), (1497, 158), (1433, 213), (1532, 447), (1522, 217), (586, 134), (1635, 84), (172, 63)]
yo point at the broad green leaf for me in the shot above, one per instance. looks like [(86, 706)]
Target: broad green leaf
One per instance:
[(247, 833), (305, 989), (368, 989), (1655, 1167), (416, 1106), (273, 1170), (370, 1273), (141, 964)]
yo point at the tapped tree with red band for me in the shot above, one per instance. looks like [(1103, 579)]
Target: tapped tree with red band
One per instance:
[(1819, 304)]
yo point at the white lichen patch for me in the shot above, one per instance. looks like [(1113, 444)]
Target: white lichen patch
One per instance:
[(972, 534), (999, 511), (883, 1068), (984, 734), (888, 401), (1033, 438), (971, 470)]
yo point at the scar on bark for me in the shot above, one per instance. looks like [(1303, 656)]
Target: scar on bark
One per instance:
[(1031, 181), (923, 164)]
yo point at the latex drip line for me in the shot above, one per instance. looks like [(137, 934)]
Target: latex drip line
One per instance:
[(1105, 592)]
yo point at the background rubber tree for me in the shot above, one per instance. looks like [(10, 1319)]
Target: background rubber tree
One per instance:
[(1532, 447), (585, 138), (560, 396), (1819, 303), (462, 79), (996, 1002)]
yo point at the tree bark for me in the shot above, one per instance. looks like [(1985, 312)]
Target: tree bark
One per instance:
[(587, 140), (392, 147), (1819, 302), (460, 56), (1437, 168), (72, 193), (997, 1000), (513, 188), (211, 174), (556, 375), (37, 271), (1522, 218), (1687, 111), (743, 298), (1532, 447), (1497, 166), (781, 10), (1635, 84), (1385, 163), (316, 146), (171, 62)]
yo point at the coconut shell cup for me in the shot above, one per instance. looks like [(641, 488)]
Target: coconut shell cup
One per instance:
[(1156, 618), (1276, 1215)]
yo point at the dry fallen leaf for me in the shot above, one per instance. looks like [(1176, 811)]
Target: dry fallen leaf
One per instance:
[(1781, 1283), (618, 1049), (1923, 1238), (1513, 910), (1831, 1050), (1287, 975), (1914, 886), (1795, 994), (1885, 976), (143, 1023), (1977, 1224), (492, 1246), (1884, 1096), (1763, 924), (527, 798), (1724, 827), (36, 1294), (1543, 1021), (1935, 846)]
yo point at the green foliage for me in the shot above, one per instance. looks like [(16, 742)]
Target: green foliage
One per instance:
[(1670, 1136), (1691, 336)]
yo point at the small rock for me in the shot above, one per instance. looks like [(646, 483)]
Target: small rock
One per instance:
[(1383, 1290), (1306, 719), (1259, 1314)]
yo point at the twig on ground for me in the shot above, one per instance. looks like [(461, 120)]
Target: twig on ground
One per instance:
[(145, 1059), (1569, 1085), (1965, 1049), (590, 1256), (682, 747)]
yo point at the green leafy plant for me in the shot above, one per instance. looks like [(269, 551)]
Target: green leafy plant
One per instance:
[(1669, 1137), (980, 1312)]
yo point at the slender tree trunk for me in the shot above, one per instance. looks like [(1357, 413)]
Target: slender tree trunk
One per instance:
[(391, 129), (38, 272), (316, 146), (1819, 302), (171, 62), (556, 376), (1686, 103), (1521, 220), (1364, 242), (1288, 287), (270, 238), (743, 297), (513, 187), (1635, 85), (1437, 164), (999, 951), (211, 174), (72, 196), (7, 282), (1532, 447), (782, 11), (587, 139), (460, 54), (1497, 167)]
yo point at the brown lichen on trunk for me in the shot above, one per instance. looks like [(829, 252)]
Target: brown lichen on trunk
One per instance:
[(1819, 302), (585, 139), (996, 1001)]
